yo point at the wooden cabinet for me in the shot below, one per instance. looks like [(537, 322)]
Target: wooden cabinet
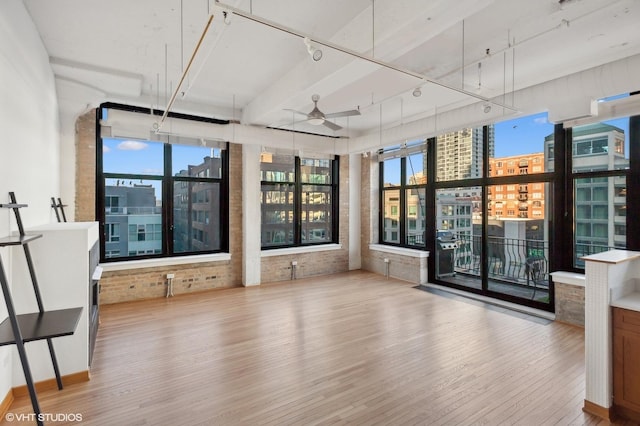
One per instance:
[(626, 363)]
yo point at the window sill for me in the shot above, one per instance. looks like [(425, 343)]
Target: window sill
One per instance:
[(165, 261), (399, 250), (298, 250), (571, 278)]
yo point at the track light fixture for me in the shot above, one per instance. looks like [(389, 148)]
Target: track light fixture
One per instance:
[(314, 52), (227, 17)]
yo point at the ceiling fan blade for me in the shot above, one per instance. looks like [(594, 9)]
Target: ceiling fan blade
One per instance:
[(343, 114), (332, 126), (297, 112)]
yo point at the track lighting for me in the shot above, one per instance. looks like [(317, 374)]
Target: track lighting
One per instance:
[(227, 17), (314, 52)]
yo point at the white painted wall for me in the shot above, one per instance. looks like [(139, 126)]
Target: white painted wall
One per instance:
[(29, 141)]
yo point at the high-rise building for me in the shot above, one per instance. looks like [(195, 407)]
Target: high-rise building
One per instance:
[(459, 154), (600, 202)]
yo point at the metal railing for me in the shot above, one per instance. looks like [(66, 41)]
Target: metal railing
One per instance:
[(583, 249), (510, 260)]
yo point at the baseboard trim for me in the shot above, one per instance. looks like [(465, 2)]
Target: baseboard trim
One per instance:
[(626, 414), (6, 403), (49, 384), (597, 410)]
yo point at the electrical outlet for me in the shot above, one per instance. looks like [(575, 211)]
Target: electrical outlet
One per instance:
[(170, 276)]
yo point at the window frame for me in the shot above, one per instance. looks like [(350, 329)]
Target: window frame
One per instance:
[(167, 189), (297, 220), (400, 231)]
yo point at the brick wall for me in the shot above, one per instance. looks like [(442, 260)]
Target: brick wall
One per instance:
[(143, 283), (365, 213), (278, 268), (401, 266), (569, 303), (85, 207)]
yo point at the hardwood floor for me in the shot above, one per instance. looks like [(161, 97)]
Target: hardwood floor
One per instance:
[(351, 348)]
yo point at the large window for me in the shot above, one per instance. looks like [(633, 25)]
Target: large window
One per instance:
[(162, 197), (403, 195), (299, 200), (600, 162)]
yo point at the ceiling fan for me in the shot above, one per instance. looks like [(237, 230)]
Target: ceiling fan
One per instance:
[(317, 117)]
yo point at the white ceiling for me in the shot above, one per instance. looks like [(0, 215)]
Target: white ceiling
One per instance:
[(135, 52)]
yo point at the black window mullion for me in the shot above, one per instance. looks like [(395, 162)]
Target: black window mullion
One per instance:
[(633, 182), (335, 201), (402, 218), (484, 270), (430, 216), (297, 204), (167, 203)]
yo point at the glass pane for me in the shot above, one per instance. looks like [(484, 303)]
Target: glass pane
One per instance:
[(196, 161), (519, 147), (277, 167), (391, 214), (277, 214), (459, 154), (601, 146), (315, 171), (316, 214), (601, 219), (415, 219), (132, 157), (459, 235), (133, 217), (416, 166), (518, 241), (196, 217), (391, 172)]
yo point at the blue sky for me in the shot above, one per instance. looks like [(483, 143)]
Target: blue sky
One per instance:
[(526, 135), (146, 158)]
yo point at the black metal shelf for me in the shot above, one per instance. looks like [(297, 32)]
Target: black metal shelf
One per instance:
[(18, 240), (40, 326), (19, 329), (13, 205)]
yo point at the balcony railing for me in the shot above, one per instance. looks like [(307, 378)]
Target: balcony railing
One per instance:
[(584, 249), (522, 262)]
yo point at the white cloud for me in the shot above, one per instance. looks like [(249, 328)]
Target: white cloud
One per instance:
[(132, 146), (105, 149), (152, 172), (541, 120)]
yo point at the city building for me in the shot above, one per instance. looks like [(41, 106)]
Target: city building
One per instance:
[(600, 202), (460, 153), (517, 200), (132, 220)]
